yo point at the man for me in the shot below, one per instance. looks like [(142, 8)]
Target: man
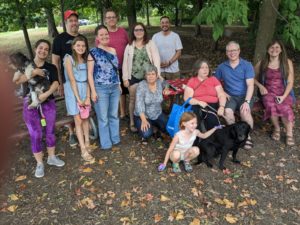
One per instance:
[(61, 47), (237, 75), (169, 46)]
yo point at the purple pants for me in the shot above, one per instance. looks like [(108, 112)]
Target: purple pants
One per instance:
[(32, 119)]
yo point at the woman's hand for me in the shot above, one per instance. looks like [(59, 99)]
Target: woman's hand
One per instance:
[(263, 90), (43, 97), (37, 72), (202, 104), (87, 101), (145, 125), (221, 111), (279, 99), (126, 83), (94, 96), (81, 103), (166, 91)]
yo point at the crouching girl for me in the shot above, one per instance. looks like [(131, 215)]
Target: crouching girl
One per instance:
[(181, 147)]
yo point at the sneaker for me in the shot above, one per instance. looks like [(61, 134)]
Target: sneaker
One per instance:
[(55, 161), (176, 168), (39, 170), (72, 140), (187, 166)]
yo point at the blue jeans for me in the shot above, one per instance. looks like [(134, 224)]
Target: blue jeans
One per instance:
[(107, 114), (160, 123)]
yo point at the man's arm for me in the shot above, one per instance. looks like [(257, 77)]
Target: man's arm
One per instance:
[(175, 57), (56, 61)]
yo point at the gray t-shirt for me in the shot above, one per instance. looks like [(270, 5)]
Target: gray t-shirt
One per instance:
[(167, 46), (149, 102)]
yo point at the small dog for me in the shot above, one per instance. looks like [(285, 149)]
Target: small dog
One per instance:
[(37, 85), (231, 137)]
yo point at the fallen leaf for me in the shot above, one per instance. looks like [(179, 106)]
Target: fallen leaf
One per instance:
[(157, 218), (125, 203), (180, 215), (251, 201), (164, 198), (199, 182), (88, 203), (289, 181), (12, 208), (228, 203), (283, 210), (19, 178), (247, 164), (195, 222), (13, 197), (149, 197), (280, 178), (228, 180), (109, 202), (230, 218), (125, 220), (109, 172), (87, 170), (242, 204), (101, 162), (226, 171), (294, 188)]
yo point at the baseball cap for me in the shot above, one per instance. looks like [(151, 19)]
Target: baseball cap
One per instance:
[(69, 13)]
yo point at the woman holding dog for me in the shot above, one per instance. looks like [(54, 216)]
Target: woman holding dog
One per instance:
[(45, 114), (148, 111), (139, 53), (275, 80), (207, 94)]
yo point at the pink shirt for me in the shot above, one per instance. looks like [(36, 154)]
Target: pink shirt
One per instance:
[(206, 92)]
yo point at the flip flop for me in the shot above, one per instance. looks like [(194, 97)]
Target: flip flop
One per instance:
[(176, 168), (276, 135), (290, 141)]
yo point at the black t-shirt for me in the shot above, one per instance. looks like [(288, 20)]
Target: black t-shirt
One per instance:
[(50, 73), (62, 45)]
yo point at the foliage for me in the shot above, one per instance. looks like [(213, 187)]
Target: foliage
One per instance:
[(289, 23), (223, 12)]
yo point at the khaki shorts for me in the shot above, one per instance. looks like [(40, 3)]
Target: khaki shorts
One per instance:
[(170, 76)]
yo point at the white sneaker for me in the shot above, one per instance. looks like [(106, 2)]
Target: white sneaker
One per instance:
[(55, 161), (39, 170)]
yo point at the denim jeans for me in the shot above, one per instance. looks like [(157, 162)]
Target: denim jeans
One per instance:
[(107, 114), (160, 123)]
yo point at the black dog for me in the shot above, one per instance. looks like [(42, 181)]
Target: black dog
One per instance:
[(231, 137), (37, 85)]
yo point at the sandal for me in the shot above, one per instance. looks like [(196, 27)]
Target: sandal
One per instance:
[(87, 156), (133, 128), (290, 141), (248, 145), (276, 135), (176, 168), (187, 166)]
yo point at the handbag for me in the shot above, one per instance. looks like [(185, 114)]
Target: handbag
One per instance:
[(84, 111), (175, 115)]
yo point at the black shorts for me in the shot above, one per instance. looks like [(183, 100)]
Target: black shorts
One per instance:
[(124, 89)]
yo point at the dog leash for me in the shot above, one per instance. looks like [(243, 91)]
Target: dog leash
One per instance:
[(43, 119), (213, 113)]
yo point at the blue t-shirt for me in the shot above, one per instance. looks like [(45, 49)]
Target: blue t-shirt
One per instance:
[(105, 67), (235, 79)]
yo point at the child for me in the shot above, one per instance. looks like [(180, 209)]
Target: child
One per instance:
[(77, 92), (181, 148)]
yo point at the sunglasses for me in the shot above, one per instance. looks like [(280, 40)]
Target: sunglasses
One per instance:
[(139, 30)]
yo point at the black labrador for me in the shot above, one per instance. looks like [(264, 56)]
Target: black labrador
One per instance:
[(231, 137)]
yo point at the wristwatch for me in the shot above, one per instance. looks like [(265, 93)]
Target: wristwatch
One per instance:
[(248, 101)]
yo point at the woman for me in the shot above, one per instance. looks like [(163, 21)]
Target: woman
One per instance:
[(205, 92), (148, 110), (77, 92), (275, 80), (105, 87), (45, 114), (139, 53), (118, 39)]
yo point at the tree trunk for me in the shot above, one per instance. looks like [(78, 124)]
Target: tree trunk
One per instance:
[(26, 37), (131, 13), (52, 31), (199, 6), (266, 27), (176, 16), (147, 13), (62, 15)]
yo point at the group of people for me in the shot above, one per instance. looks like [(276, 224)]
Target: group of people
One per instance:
[(118, 65)]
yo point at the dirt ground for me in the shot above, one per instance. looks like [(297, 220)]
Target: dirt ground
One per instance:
[(124, 187)]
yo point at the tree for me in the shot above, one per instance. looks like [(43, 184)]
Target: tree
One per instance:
[(131, 12), (266, 27), (52, 31)]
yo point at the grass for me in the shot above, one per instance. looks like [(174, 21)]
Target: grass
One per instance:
[(14, 41)]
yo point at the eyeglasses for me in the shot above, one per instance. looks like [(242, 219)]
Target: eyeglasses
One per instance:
[(111, 17), (138, 30), (232, 51)]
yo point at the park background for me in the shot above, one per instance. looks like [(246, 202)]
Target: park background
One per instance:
[(123, 186)]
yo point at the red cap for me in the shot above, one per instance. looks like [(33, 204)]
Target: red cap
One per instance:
[(69, 13)]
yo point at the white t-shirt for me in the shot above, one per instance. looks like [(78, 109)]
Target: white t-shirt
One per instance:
[(167, 46)]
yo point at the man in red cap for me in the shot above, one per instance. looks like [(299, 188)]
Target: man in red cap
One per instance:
[(61, 47)]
